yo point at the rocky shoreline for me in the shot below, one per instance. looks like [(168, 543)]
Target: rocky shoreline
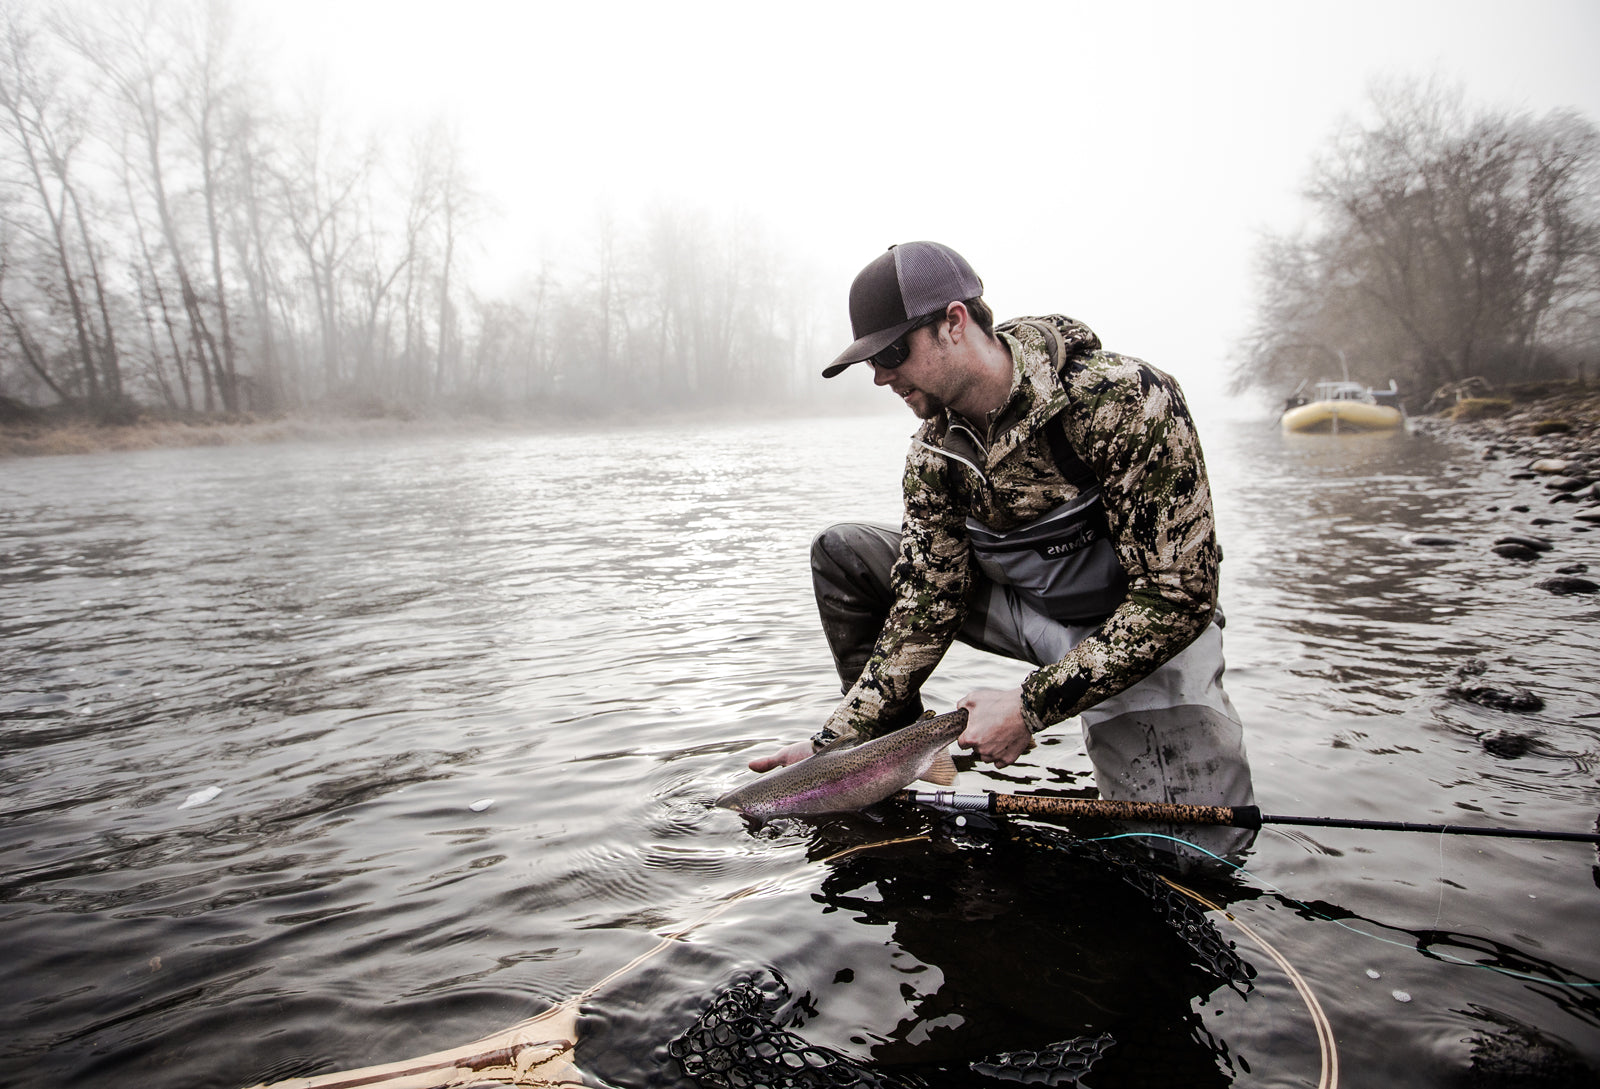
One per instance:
[(1546, 442), (1549, 436)]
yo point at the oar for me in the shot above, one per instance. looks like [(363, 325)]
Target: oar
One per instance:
[(1235, 816)]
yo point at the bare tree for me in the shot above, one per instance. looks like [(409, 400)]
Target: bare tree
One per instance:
[(153, 300), (46, 129), (1445, 244), (125, 46), (171, 235), (20, 332), (320, 194), (252, 232), (206, 94), (607, 297), (381, 265), (457, 206)]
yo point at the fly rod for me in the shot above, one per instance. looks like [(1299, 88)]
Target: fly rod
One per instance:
[(1234, 816)]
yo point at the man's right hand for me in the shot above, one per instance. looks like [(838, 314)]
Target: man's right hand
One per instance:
[(789, 754)]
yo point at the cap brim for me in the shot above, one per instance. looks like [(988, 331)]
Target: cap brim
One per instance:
[(868, 346)]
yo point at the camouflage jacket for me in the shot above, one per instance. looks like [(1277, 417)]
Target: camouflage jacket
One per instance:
[(1129, 425)]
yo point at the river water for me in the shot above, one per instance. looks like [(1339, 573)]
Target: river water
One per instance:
[(321, 755)]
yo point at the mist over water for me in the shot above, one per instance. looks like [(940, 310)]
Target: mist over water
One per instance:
[(445, 713)]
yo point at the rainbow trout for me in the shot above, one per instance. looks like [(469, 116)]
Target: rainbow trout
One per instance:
[(844, 778)]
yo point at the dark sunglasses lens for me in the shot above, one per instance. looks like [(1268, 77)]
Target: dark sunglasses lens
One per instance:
[(892, 356), (900, 351)]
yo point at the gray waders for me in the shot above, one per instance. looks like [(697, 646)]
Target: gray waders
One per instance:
[(1172, 737)]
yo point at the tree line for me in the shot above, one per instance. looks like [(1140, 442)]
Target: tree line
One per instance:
[(173, 238), (1443, 243)]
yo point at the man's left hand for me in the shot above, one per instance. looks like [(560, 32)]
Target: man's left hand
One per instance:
[(789, 754), (995, 730)]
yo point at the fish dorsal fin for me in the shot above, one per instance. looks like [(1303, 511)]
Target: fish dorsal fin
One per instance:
[(942, 772)]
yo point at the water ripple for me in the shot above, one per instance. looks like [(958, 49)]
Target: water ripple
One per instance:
[(352, 644)]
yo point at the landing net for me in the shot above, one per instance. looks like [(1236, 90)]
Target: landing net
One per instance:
[(740, 1041)]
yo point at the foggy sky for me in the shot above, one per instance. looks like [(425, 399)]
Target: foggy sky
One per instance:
[(1117, 165)]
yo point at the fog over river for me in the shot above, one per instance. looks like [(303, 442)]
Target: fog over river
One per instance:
[(320, 755)]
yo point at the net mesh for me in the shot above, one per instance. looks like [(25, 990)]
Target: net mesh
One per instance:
[(739, 1042), (736, 1043), (1213, 954), (1059, 1064)]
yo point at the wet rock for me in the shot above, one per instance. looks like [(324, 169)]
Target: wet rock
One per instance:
[(1538, 544), (1515, 1054), (1573, 569), (1515, 552), (1588, 515), (1569, 584), (1565, 484), (1497, 699), (1507, 746), (1551, 427), (1430, 540), (1550, 465)]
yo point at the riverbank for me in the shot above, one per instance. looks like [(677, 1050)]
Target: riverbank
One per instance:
[(1549, 432), (45, 435), (1546, 439), (1537, 417)]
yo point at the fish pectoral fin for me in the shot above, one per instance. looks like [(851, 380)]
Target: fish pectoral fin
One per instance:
[(942, 772)]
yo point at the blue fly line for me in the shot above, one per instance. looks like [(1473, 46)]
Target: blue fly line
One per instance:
[(1513, 973)]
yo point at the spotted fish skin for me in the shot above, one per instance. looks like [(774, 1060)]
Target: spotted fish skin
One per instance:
[(849, 776)]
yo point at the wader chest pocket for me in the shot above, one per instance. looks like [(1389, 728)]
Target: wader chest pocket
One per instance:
[(1062, 562)]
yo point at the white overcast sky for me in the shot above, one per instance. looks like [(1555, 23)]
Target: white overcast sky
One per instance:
[(1113, 161)]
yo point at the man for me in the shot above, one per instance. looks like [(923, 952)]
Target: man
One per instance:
[(1056, 511)]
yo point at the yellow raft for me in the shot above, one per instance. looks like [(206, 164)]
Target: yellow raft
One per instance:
[(1342, 407)]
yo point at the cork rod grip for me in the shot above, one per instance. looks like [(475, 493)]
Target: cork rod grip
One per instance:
[(1246, 816)]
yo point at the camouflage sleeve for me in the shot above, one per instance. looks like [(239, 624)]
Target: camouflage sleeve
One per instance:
[(1131, 425), (930, 580)]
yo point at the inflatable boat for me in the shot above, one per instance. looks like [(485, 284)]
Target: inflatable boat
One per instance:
[(1343, 406)]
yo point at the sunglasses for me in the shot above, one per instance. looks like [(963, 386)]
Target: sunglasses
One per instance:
[(897, 353)]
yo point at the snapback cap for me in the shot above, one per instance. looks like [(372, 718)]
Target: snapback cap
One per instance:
[(907, 282)]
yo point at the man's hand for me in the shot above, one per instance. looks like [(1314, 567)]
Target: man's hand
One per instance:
[(995, 730), (789, 754)]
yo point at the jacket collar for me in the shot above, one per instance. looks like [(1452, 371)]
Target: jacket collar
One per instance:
[(1040, 348)]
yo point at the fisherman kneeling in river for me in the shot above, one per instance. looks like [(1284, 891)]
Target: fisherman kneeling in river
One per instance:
[(1056, 511)]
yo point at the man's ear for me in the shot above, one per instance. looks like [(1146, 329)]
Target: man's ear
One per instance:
[(958, 321)]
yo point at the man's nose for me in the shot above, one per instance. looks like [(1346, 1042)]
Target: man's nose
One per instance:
[(881, 376)]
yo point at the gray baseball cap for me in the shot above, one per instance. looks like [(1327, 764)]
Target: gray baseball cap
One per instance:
[(907, 282)]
